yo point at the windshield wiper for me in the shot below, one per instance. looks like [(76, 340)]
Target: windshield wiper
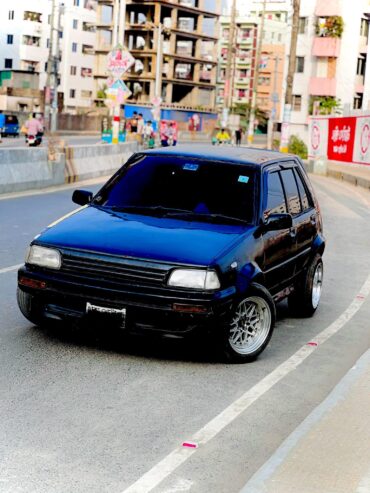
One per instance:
[(146, 209), (207, 217)]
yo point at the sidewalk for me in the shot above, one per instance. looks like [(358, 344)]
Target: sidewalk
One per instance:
[(330, 451), (356, 174)]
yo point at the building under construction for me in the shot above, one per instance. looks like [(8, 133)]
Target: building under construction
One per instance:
[(187, 34)]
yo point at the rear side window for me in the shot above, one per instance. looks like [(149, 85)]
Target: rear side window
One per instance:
[(291, 190), (275, 195), (305, 198)]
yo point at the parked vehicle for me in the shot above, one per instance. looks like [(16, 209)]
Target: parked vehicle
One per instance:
[(11, 127), (183, 240)]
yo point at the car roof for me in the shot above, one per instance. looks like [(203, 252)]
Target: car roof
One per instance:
[(228, 153)]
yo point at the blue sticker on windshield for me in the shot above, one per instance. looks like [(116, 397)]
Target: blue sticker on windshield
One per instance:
[(243, 179), (190, 166)]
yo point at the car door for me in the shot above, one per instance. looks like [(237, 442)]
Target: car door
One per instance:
[(279, 246), (300, 206)]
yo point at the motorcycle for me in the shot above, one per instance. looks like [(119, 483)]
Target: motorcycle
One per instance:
[(34, 140)]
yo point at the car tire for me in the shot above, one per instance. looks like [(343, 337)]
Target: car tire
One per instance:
[(249, 326), (29, 307), (304, 300)]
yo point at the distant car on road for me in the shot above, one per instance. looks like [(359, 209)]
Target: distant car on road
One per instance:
[(193, 238)]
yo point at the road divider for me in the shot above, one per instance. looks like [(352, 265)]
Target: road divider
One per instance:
[(33, 169)]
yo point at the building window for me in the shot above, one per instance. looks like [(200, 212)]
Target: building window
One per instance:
[(302, 24), (357, 102), (264, 81), (49, 18), (46, 67), (86, 94), (75, 24), (299, 64), (9, 39), (74, 47), (11, 15), (32, 16), (8, 63), (31, 40), (73, 70), (60, 34), (364, 27), (297, 102), (72, 93), (76, 3), (86, 72)]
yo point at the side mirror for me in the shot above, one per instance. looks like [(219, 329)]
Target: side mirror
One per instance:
[(276, 222), (82, 197)]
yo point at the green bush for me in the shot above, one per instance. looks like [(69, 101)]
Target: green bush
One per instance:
[(334, 27), (298, 147)]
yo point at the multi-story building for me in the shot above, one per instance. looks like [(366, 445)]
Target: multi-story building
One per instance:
[(25, 40), (243, 68), (332, 74), (188, 65)]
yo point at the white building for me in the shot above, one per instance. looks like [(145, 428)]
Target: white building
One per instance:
[(331, 66), (25, 38)]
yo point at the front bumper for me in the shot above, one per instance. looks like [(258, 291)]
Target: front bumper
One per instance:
[(162, 310)]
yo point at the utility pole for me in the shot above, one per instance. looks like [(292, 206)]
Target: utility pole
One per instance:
[(252, 112), (285, 130), (47, 91), (229, 86), (274, 96), (115, 36)]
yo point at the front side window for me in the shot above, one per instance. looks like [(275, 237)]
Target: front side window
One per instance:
[(306, 199), (185, 188), (275, 196), (291, 190)]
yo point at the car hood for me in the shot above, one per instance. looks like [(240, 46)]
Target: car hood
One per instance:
[(162, 239)]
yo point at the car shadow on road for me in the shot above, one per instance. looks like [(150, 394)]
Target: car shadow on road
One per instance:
[(198, 348)]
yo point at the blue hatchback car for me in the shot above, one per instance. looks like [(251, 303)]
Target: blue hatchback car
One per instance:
[(193, 238)]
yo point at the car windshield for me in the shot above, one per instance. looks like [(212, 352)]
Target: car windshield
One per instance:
[(181, 187)]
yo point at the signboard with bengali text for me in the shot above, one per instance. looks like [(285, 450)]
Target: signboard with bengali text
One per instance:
[(341, 138)]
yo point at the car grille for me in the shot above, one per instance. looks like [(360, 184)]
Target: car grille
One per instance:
[(116, 270)]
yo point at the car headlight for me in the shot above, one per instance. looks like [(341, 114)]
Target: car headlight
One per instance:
[(44, 257), (194, 278)]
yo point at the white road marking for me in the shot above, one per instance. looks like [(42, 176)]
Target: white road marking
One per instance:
[(257, 482), (174, 459), (364, 486), (9, 269)]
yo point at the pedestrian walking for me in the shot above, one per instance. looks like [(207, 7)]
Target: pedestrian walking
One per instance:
[(134, 120), (238, 136), (148, 134), (2, 124)]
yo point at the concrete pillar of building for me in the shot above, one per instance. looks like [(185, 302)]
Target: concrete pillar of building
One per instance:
[(196, 72), (169, 93), (174, 18), (199, 28), (157, 14)]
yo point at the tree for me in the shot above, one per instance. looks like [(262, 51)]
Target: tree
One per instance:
[(244, 109)]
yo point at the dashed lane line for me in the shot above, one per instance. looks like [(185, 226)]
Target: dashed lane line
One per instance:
[(177, 457), (9, 269)]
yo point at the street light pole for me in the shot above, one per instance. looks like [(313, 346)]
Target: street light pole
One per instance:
[(252, 112), (285, 130), (115, 37), (272, 119)]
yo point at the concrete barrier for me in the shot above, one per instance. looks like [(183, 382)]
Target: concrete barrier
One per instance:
[(27, 169), (84, 162), (30, 168)]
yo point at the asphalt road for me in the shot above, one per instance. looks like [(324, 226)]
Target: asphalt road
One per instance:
[(90, 412), (17, 143)]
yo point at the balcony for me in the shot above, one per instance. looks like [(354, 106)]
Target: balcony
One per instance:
[(327, 7), (322, 86), (326, 47)]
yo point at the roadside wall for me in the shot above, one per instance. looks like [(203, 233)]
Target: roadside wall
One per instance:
[(28, 169)]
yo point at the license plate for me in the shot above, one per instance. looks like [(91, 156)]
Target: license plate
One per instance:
[(104, 310)]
